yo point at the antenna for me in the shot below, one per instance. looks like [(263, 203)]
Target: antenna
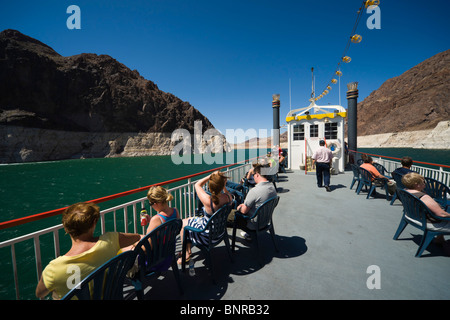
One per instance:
[(313, 95), (290, 94)]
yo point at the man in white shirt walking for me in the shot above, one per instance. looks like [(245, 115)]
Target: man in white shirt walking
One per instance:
[(322, 158)]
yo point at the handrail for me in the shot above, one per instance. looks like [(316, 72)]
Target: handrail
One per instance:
[(377, 155), (51, 213)]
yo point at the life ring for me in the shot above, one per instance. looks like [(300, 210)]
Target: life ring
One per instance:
[(335, 148)]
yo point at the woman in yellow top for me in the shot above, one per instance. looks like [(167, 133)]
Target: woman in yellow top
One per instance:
[(86, 254)]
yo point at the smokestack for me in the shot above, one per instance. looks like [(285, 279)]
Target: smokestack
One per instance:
[(352, 132), (276, 119)]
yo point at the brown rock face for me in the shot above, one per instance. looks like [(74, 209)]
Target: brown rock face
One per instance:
[(84, 93), (416, 100)]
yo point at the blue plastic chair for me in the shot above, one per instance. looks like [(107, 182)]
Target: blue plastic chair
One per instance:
[(398, 181), (381, 169), (105, 282), (415, 213), (156, 253), (366, 181), (356, 176), (264, 222), (438, 191), (216, 228)]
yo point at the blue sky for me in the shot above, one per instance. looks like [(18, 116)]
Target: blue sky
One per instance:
[(227, 58)]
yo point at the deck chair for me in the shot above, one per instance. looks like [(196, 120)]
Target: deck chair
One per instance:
[(263, 215), (415, 213), (381, 169), (438, 191), (105, 282), (398, 181), (158, 255), (366, 181), (356, 176), (216, 228)]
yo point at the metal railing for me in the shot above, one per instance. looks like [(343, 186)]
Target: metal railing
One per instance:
[(391, 163), (123, 218)]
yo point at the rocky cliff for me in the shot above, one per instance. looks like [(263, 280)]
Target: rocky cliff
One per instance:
[(416, 100), (54, 107)]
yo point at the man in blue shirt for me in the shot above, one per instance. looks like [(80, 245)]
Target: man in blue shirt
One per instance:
[(406, 166)]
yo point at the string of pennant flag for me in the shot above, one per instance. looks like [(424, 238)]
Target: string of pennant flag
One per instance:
[(354, 38)]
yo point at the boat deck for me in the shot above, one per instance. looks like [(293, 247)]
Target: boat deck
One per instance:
[(328, 242)]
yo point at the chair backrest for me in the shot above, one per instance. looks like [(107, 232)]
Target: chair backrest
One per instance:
[(157, 246), (366, 176), (437, 190), (264, 212), (355, 170), (381, 169), (398, 179), (106, 282), (414, 209), (217, 224)]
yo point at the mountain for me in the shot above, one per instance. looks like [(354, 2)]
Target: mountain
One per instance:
[(87, 92), (416, 100), (86, 96)]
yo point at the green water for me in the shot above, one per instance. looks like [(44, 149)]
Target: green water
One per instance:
[(31, 188)]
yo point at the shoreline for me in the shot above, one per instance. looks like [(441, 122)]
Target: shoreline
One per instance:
[(434, 139)]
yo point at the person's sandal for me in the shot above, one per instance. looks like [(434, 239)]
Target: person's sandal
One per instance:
[(179, 261)]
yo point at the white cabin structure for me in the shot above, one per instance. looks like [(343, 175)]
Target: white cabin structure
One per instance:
[(307, 126)]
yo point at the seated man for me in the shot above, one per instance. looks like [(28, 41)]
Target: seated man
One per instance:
[(264, 190), (407, 162)]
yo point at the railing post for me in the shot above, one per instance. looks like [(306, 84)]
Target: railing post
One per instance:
[(37, 255), (14, 265), (189, 197)]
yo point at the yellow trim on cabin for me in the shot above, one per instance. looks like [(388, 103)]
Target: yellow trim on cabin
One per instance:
[(317, 116)]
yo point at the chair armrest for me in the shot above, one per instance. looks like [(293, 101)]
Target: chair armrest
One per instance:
[(241, 215), (438, 217), (189, 228)]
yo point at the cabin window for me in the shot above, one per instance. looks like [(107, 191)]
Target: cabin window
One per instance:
[(314, 130), (299, 132), (331, 130)]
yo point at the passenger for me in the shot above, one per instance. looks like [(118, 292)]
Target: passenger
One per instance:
[(368, 165), (264, 190), (86, 254), (271, 160), (281, 160), (211, 203), (415, 184), (158, 198), (322, 158), (407, 162), (249, 181)]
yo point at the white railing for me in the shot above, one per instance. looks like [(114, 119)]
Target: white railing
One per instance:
[(123, 218), (438, 174)]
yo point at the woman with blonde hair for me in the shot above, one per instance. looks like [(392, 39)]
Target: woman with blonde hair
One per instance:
[(159, 199), (415, 184), (211, 203)]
